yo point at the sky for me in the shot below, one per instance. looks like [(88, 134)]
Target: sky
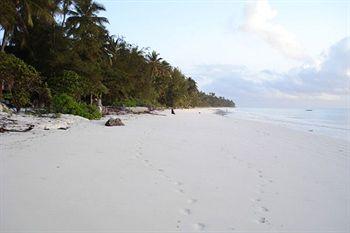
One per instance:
[(264, 53)]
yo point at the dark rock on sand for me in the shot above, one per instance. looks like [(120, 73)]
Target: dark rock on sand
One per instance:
[(114, 122)]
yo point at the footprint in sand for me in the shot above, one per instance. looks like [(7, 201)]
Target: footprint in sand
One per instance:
[(178, 224), (192, 201), (255, 200), (186, 211), (262, 220), (264, 209), (180, 191), (178, 183), (199, 226), (160, 170)]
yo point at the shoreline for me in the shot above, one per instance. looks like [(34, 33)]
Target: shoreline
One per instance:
[(185, 172)]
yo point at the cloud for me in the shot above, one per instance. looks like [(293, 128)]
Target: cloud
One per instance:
[(259, 19), (323, 83)]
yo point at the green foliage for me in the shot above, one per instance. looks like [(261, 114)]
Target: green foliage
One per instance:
[(22, 80), (66, 104), (133, 102), (210, 100), (70, 83), (126, 103), (68, 43), (90, 111)]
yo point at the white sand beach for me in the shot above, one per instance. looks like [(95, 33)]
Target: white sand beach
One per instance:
[(187, 172)]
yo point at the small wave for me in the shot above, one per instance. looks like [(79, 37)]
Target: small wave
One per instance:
[(222, 112), (326, 122)]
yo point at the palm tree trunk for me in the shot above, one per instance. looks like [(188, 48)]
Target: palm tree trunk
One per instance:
[(1, 88), (4, 40), (64, 19), (65, 9)]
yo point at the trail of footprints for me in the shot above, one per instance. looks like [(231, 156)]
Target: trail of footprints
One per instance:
[(260, 211), (184, 212)]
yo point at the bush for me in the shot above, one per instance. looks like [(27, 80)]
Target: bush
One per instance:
[(66, 104), (22, 79), (133, 102), (70, 83), (90, 111)]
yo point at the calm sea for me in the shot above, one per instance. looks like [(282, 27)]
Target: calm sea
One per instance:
[(334, 122)]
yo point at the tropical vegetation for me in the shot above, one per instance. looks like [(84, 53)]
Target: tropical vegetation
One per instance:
[(58, 55)]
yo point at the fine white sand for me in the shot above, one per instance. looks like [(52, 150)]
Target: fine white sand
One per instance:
[(186, 172)]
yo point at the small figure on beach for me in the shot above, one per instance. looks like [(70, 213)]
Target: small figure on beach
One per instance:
[(172, 111)]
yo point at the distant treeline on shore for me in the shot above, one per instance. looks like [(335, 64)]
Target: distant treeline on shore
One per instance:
[(58, 55)]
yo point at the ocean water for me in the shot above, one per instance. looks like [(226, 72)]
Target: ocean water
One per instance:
[(333, 122)]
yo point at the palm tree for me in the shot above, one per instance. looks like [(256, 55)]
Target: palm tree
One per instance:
[(65, 10), (112, 47), (166, 68), (18, 15), (7, 20), (155, 62), (88, 32), (84, 21)]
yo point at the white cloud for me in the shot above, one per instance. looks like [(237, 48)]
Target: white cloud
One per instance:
[(324, 83), (259, 19)]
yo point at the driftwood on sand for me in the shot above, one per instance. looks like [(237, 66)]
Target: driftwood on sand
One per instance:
[(110, 110), (3, 129)]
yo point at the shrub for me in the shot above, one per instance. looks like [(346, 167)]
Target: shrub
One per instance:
[(90, 111), (133, 102), (66, 104), (22, 79), (70, 83), (130, 102)]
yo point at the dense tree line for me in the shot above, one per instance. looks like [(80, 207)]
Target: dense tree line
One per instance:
[(57, 52)]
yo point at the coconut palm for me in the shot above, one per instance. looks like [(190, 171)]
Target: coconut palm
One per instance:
[(112, 47), (7, 20), (84, 21), (156, 63), (65, 10), (18, 15)]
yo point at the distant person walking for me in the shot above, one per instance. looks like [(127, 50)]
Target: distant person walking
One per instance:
[(172, 111)]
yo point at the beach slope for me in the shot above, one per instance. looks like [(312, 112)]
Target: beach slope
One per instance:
[(193, 171)]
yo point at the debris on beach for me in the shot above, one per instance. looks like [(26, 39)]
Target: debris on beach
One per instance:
[(111, 110), (114, 122), (3, 129), (221, 112), (21, 122)]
